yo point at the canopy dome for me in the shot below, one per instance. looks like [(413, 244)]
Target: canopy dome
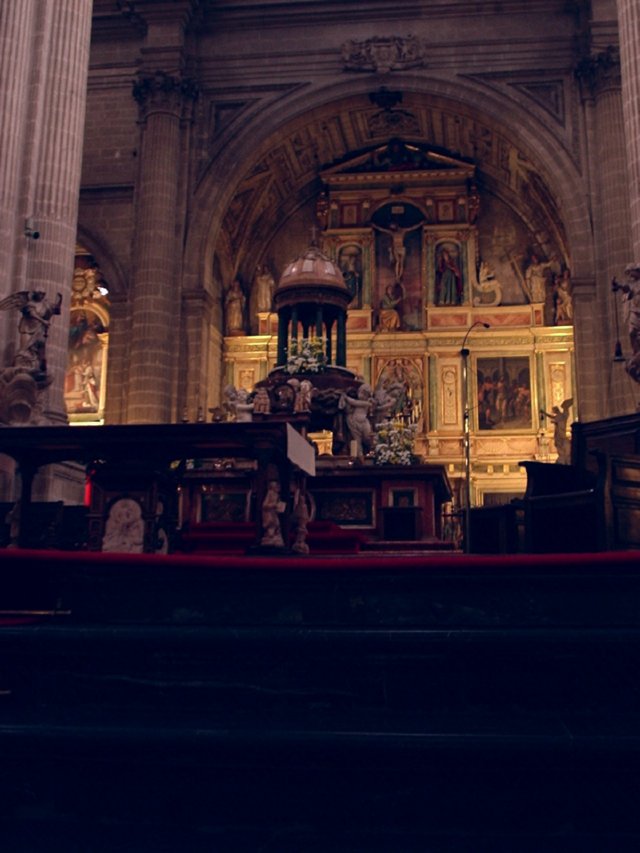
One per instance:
[(314, 268)]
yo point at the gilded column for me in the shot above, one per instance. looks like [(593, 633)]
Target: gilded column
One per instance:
[(164, 100), (600, 81), (629, 35)]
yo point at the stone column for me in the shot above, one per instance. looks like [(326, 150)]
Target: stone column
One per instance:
[(44, 58), (600, 80), (163, 99), (629, 35), (16, 35)]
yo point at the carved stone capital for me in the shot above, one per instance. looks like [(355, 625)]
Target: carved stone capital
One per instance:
[(382, 54), (600, 73), (161, 92)]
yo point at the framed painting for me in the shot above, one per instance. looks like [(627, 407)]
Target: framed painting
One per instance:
[(352, 508), (227, 505), (504, 394)]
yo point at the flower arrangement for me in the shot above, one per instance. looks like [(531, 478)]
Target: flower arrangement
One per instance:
[(306, 356), (393, 443)]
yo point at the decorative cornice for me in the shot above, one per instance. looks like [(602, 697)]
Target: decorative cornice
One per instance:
[(382, 54), (600, 73)]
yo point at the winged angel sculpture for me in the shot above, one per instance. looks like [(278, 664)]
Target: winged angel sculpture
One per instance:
[(36, 312), (559, 416)]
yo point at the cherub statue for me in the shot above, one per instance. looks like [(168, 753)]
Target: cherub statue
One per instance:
[(36, 313), (357, 414), (559, 417), (237, 404)]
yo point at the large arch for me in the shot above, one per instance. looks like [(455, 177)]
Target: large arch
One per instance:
[(313, 128)]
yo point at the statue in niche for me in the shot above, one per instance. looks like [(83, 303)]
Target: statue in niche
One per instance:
[(559, 416), (350, 262), (397, 250), (264, 285), (234, 309), (36, 312), (631, 305), (389, 316), (535, 278), (271, 508), (449, 288), (489, 286), (562, 299)]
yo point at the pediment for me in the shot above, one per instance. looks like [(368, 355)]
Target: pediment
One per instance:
[(398, 161)]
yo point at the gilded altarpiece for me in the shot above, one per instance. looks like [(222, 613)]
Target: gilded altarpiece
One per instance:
[(405, 227)]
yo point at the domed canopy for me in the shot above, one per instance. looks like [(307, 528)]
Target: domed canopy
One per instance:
[(310, 299), (312, 267)]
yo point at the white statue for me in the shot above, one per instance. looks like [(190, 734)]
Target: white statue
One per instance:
[(535, 278), (487, 284), (272, 506), (124, 530), (631, 289), (357, 412)]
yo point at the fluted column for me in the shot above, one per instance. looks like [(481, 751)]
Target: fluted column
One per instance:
[(155, 322), (44, 56), (629, 35), (16, 35), (600, 80)]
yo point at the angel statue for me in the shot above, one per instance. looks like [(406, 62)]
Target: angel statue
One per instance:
[(36, 312), (559, 417)]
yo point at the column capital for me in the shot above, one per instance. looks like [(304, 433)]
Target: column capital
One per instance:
[(599, 73), (162, 92)]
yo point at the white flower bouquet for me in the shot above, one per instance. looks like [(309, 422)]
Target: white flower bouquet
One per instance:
[(393, 443), (306, 356)]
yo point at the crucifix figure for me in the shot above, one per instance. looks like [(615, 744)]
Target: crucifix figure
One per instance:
[(398, 251)]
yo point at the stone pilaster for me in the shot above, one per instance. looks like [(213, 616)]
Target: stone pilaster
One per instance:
[(164, 101), (629, 35), (600, 81)]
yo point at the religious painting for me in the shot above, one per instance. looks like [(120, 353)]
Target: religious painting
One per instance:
[(449, 277), (350, 263), (349, 508), (85, 374), (398, 251), (398, 390), (228, 505), (504, 393)]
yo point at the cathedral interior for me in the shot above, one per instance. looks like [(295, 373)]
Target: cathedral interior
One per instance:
[(412, 230), (464, 169)]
